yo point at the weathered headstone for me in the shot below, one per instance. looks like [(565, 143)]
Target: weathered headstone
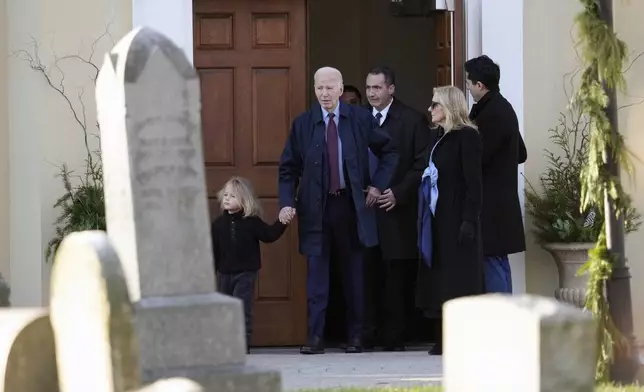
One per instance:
[(148, 98), (173, 385), (27, 357), (92, 317), (503, 343)]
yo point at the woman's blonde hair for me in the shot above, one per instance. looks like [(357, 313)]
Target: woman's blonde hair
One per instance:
[(244, 193), (454, 105)]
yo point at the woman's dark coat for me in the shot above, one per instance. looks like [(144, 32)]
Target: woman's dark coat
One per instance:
[(457, 267)]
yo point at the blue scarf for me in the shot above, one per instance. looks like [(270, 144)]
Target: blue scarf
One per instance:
[(427, 200)]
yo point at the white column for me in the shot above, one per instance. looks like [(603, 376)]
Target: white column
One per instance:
[(173, 18), (473, 33), (495, 28), (25, 138), (5, 223)]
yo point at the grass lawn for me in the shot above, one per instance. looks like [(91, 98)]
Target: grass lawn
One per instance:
[(438, 389)]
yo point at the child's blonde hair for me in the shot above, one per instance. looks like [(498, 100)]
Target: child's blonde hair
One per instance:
[(245, 194)]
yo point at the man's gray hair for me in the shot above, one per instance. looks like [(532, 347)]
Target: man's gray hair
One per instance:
[(328, 71)]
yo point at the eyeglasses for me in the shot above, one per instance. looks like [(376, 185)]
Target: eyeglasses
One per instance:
[(434, 105)]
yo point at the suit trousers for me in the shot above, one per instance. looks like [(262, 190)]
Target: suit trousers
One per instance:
[(242, 286), (389, 295), (340, 241)]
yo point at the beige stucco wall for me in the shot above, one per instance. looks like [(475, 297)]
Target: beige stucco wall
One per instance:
[(548, 55), (4, 145), (41, 128)]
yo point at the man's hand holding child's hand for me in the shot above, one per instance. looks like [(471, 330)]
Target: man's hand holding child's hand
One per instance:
[(286, 215)]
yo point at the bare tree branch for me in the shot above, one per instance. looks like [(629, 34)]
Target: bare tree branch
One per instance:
[(83, 60), (641, 101), (35, 63), (58, 84), (569, 79), (633, 62), (572, 38)]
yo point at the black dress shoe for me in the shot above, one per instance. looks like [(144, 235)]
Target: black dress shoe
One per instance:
[(394, 343), (394, 348), (436, 350), (314, 346), (354, 346), (369, 343)]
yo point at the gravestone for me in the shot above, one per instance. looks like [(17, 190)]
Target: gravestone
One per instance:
[(148, 99), (173, 385), (27, 351), (92, 317), (504, 343)]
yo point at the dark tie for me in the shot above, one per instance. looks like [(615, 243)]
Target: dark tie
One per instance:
[(378, 117), (373, 160), (332, 152)]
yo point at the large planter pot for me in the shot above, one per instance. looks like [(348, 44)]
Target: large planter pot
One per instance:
[(569, 258)]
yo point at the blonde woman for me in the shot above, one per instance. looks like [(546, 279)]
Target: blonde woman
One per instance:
[(450, 202)]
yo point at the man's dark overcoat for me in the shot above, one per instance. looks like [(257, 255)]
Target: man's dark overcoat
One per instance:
[(503, 151), (304, 173), (409, 130)]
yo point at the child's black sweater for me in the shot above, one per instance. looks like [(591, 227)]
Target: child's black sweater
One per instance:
[(235, 241)]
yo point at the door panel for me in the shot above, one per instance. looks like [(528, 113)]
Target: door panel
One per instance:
[(449, 47), (443, 48), (251, 57)]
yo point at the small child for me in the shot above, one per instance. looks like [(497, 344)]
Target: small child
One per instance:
[(236, 234)]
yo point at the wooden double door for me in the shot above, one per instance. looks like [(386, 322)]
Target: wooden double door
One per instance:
[(251, 56)]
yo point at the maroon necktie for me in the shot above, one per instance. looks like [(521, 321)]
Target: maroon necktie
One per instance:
[(332, 152)]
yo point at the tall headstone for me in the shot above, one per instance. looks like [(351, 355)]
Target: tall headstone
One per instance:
[(148, 98), (503, 343), (92, 317), (27, 351)]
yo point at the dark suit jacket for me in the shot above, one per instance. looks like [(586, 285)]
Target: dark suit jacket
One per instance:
[(409, 130), (304, 164), (503, 151)]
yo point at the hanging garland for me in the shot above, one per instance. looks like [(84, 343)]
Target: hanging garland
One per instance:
[(604, 56)]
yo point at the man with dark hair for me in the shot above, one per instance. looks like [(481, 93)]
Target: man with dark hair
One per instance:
[(396, 257), (351, 95), (503, 151)]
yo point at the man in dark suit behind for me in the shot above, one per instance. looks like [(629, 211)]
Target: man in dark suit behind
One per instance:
[(393, 264), (351, 95), (326, 155), (503, 151)]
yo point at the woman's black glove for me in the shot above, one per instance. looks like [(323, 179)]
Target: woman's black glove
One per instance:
[(466, 233)]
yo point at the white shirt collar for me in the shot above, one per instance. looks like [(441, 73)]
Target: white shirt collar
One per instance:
[(384, 111)]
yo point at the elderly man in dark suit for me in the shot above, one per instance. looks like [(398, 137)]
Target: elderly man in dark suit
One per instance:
[(326, 155), (503, 151), (393, 263)]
